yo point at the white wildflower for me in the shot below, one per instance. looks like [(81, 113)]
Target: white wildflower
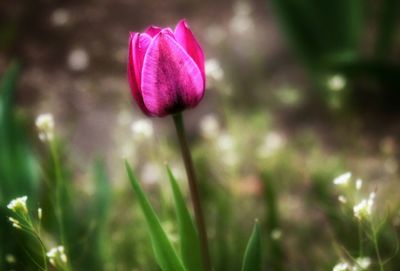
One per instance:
[(364, 208), (142, 129), (336, 82), (342, 266), (359, 183), (57, 254), (45, 125), (363, 262), (18, 204), (209, 126), (343, 179)]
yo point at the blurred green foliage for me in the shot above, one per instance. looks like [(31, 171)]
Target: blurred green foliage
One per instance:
[(334, 37)]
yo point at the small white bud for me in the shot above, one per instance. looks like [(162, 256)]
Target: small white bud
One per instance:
[(45, 126), (17, 226), (359, 183), (40, 213), (343, 179)]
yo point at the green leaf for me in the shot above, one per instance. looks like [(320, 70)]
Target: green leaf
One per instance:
[(252, 260), (189, 238), (19, 171), (164, 252)]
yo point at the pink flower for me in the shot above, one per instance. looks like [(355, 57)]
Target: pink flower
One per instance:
[(166, 69)]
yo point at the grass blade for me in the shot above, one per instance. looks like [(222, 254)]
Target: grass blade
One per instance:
[(164, 252), (252, 260), (189, 238)]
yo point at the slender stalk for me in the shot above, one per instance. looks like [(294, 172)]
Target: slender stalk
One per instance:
[(376, 246), (194, 192), (59, 184)]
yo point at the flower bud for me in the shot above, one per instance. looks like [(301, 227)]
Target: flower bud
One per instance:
[(166, 70)]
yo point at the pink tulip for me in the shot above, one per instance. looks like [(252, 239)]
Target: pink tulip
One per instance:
[(166, 70)]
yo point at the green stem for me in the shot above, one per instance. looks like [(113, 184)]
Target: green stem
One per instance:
[(59, 184), (194, 192), (360, 240), (376, 247)]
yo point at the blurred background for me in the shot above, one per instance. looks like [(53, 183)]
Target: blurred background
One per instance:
[(298, 92)]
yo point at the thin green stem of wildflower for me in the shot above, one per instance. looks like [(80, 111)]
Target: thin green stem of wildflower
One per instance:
[(376, 246), (360, 240), (37, 234), (59, 183), (194, 192)]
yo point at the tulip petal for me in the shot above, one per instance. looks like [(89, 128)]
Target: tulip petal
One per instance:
[(152, 30), (184, 36), (171, 80), (134, 68), (141, 45)]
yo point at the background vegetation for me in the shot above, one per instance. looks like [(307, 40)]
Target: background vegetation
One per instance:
[(298, 93)]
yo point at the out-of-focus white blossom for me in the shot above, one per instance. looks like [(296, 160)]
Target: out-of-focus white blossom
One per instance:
[(225, 142), (214, 70), (10, 258), (342, 199), (363, 263), (18, 205), (337, 82), (276, 234), (242, 20), (272, 142), (364, 208), (45, 125), (151, 173), (226, 145), (289, 96), (60, 17), (56, 255), (359, 183), (209, 126), (342, 266), (142, 129), (78, 59), (343, 179), (360, 265)]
